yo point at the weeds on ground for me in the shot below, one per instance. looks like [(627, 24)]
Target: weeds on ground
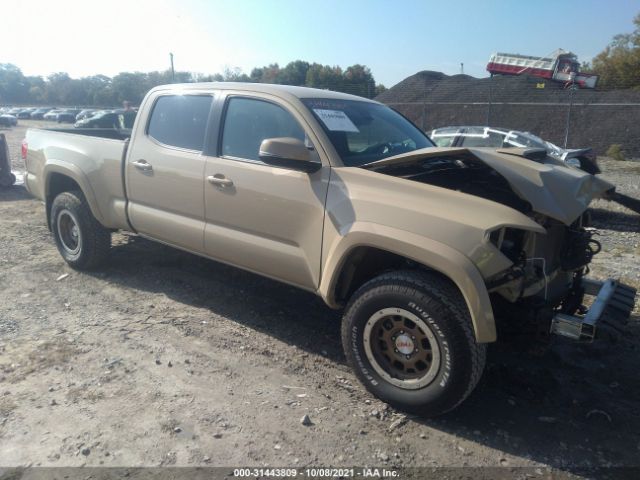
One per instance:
[(615, 152)]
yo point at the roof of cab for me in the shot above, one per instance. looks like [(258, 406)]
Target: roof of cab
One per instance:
[(279, 90)]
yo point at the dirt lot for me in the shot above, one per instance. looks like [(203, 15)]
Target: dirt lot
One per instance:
[(164, 358)]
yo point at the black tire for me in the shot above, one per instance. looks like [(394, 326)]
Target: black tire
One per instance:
[(439, 306), (588, 166), (92, 240), (7, 180)]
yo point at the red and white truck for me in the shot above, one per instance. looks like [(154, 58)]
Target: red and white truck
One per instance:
[(561, 66)]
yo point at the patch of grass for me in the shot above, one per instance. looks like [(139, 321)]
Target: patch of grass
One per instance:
[(615, 152)]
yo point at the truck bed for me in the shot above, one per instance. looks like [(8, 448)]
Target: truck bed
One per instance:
[(96, 158)]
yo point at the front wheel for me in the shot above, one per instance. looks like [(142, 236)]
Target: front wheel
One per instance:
[(81, 240), (409, 338)]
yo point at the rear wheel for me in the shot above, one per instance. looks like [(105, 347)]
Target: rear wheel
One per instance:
[(81, 240), (409, 338)]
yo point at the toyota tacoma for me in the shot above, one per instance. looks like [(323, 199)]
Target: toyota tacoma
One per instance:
[(432, 252)]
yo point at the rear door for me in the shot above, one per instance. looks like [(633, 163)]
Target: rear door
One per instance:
[(165, 168), (265, 219)]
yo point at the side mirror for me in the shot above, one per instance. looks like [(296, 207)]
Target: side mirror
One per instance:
[(287, 152)]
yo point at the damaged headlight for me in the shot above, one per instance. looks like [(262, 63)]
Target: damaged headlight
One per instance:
[(510, 242)]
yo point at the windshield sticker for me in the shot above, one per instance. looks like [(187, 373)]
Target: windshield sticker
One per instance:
[(336, 120)]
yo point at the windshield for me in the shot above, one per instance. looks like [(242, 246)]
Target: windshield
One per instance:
[(363, 132)]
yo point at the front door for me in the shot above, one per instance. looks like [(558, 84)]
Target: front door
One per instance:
[(265, 219)]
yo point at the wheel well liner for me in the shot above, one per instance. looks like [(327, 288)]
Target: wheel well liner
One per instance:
[(364, 261), (56, 184)]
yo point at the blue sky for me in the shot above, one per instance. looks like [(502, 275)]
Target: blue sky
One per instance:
[(394, 38)]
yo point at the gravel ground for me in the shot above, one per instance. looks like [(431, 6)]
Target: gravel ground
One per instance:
[(164, 358)]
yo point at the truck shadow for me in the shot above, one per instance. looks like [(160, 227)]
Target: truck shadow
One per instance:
[(573, 407), (614, 220), (14, 193)]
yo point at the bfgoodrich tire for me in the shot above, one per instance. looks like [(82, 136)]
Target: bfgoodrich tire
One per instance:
[(81, 240), (409, 338)]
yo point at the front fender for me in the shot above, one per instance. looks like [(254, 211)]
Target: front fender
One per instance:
[(77, 175), (435, 255)]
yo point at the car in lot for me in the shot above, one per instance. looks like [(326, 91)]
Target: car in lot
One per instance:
[(8, 120), (25, 114), (52, 115), (103, 119), (86, 113), (430, 251), (67, 116), (38, 113), (475, 136)]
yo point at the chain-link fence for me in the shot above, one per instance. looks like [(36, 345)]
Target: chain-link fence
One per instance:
[(562, 114)]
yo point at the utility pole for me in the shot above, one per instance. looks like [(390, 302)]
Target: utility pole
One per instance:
[(572, 90), (173, 72), (488, 123), (461, 68)]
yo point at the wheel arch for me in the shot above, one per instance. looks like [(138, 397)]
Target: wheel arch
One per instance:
[(63, 177), (377, 252)]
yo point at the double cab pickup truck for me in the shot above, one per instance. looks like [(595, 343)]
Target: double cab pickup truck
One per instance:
[(432, 252)]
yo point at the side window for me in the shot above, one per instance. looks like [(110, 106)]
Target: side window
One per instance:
[(249, 121), (444, 137), (482, 138), (180, 120)]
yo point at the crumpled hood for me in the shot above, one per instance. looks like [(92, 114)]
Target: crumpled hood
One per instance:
[(552, 189)]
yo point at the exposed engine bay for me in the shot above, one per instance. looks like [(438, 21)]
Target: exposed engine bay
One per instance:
[(548, 270), (464, 173)]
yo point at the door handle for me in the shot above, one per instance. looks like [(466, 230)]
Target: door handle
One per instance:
[(219, 180), (142, 165)]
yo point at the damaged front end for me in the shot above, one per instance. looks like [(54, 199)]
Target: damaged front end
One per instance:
[(543, 291)]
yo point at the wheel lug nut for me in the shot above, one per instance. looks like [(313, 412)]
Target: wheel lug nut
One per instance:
[(408, 357), (396, 350), (413, 337)]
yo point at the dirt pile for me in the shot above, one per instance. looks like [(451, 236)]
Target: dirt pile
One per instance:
[(598, 118)]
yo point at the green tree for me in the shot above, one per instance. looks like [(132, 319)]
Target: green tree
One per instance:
[(324, 76), (59, 88), (14, 87), (295, 73), (130, 86), (235, 75), (359, 81), (380, 88), (618, 65)]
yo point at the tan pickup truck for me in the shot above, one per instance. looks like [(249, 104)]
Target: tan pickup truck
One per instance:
[(432, 252)]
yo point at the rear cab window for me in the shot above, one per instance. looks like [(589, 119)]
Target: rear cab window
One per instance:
[(180, 121)]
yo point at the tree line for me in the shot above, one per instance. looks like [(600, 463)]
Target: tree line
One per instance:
[(101, 90)]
